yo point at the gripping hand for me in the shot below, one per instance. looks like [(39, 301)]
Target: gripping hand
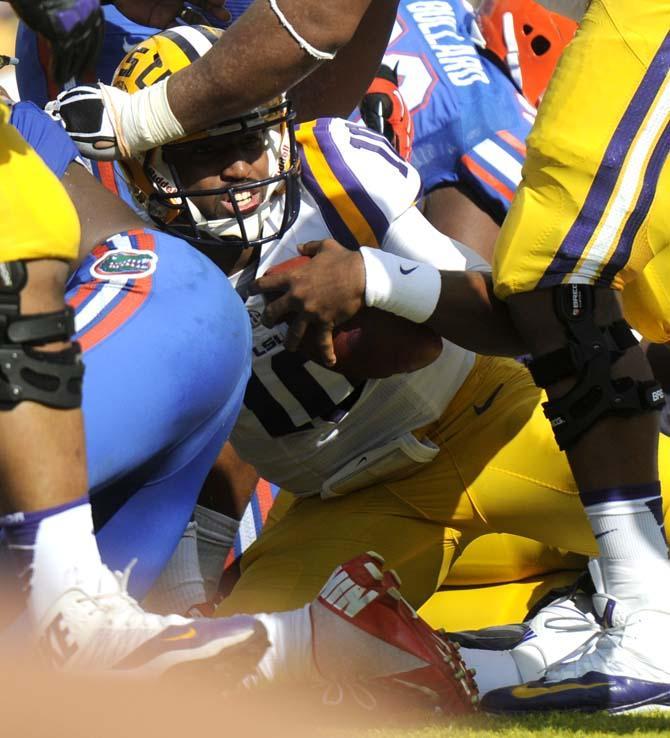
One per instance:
[(73, 27)]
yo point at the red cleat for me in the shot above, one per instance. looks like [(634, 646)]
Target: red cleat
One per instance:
[(391, 646)]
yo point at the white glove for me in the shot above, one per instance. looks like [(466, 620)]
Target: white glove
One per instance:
[(106, 123)]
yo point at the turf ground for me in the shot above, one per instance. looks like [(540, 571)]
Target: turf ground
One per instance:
[(553, 725)]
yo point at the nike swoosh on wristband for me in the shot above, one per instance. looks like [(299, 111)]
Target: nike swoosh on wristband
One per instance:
[(407, 271), (604, 533)]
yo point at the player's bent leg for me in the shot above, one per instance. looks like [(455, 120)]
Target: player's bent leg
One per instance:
[(360, 639), (181, 357), (42, 466), (646, 299), (589, 217), (285, 568)]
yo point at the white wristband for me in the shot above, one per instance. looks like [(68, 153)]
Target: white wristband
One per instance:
[(404, 287), (142, 120)]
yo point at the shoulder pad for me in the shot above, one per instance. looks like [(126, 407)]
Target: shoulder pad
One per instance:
[(359, 182)]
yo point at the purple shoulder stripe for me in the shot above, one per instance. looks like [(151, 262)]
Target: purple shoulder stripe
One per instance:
[(368, 208)]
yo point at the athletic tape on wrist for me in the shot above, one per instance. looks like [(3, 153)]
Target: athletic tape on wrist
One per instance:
[(404, 287), (146, 120), (302, 43)]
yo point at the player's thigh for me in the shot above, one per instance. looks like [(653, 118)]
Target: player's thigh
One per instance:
[(167, 353), (595, 156), (496, 406), (497, 579), (290, 562), (471, 607), (498, 558), (528, 489), (145, 521), (646, 299), (38, 219), (499, 456)]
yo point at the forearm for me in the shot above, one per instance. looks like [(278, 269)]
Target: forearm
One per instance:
[(463, 308), (258, 48), (469, 314), (335, 89)]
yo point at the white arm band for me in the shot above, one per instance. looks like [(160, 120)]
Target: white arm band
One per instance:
[(401, 286), (411, 236), (302, 42), (143, 120)]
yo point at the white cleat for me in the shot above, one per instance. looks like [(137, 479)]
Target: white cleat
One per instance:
[(107, 631), (557, 633), (623, 666)]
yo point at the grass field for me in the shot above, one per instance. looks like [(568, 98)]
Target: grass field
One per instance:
[(559, 725)]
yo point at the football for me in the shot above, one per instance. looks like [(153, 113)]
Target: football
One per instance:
[(373, 344)]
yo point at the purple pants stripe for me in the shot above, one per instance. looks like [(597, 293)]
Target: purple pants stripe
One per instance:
[(606, 177), (639, 213)]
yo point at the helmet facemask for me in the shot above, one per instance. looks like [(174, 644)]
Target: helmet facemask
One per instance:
[(172, 206)]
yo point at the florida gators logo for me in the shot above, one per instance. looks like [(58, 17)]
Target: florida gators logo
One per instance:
[(132, 264)]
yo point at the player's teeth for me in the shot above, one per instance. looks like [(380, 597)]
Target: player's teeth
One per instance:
[(242, 197)]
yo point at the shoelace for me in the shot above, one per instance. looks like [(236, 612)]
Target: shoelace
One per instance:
[(109, 601), (573, 623), (610, 636)]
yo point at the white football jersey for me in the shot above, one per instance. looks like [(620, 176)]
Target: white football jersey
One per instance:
[(300, 422)]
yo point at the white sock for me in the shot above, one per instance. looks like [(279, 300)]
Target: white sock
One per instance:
[(627, 523), (54, 550), (216, 536), (289, 658), (494, 668), (627, 529), (180, 585)]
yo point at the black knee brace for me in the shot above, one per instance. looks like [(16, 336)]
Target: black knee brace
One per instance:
[(51, 378), (589, 355)]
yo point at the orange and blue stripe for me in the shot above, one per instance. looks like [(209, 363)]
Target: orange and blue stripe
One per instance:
[(102, 306), (253, 519), (496, 162)]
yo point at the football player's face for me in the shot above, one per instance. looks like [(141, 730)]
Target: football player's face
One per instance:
[(213, 163)]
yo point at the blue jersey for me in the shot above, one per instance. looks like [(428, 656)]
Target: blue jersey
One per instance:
[(121, 34), (470, 122), (32, 76), (45, 136), (167, 348)]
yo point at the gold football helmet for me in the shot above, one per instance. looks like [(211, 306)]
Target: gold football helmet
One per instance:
[(155, 181)]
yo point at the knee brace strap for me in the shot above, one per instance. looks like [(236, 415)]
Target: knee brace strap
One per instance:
[(589, 355), (51, 378)]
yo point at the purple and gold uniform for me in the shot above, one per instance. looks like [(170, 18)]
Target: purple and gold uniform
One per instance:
[(44, 227), (594, 205)]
